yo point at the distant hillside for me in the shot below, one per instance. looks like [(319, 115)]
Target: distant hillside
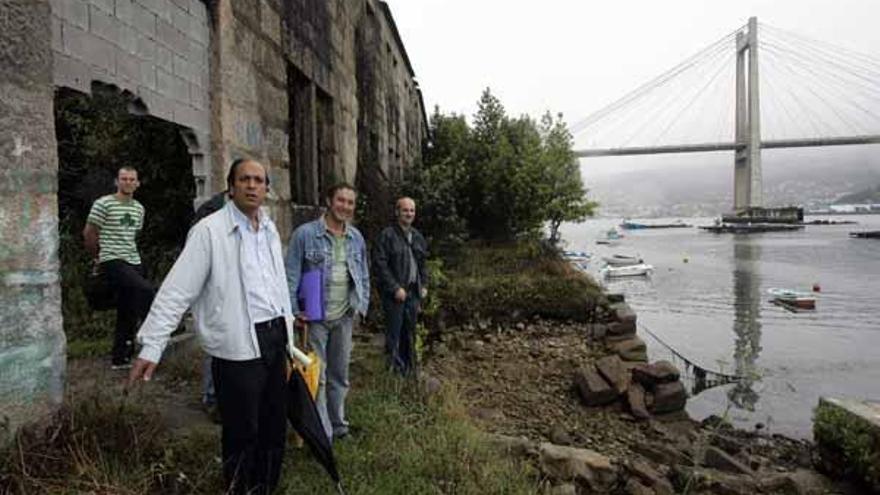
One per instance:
[(870, 195), (702, 184)]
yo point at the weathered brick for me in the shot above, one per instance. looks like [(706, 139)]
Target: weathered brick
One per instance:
[(75, 12), (124, 10), (105, 5), (182, 4), (164, 58), (146, 48), (171, 86), (188, 116), (171, 37), (198, 97), (183, 69), (71, 73), (147, 74), (180, 18), (89, 48), (198, 9), (103, 24), (127, 66), (143, 20), (199, 30)]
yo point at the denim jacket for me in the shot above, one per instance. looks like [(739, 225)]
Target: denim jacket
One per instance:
[(311, 246)]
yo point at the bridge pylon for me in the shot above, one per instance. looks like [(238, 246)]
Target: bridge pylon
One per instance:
[(747, 181)]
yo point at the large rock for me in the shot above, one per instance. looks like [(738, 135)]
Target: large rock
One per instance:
[(669, 397), (617, 331), (633, 349), (593, 389), (650, 375), (635, 397), (663, 453), (614, 372), (579, 465), (650, 477), (517, 446), (722, 461)]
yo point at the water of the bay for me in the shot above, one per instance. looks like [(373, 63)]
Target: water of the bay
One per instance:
[(708, 300)]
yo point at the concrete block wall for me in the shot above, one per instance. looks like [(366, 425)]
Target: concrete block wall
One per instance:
[(32, 343), (158, 50)]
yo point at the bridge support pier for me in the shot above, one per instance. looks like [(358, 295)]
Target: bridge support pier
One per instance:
[(747, 181)]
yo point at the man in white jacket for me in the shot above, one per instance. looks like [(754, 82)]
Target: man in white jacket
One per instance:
[(231, 272)]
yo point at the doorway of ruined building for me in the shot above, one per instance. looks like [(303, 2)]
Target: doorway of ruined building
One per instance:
[(97, 134)]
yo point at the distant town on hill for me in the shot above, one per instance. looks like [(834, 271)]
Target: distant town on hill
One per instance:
[(702, 185)]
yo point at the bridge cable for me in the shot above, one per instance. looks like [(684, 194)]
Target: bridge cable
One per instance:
[(650, 85), (808, 87)]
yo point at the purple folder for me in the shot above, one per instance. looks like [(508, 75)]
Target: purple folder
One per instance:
[(310, 294)]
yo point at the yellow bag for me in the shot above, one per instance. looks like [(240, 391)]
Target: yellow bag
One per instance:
[(312, 373)]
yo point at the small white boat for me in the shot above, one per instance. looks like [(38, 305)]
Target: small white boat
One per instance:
[(627, 271), (622, 260), (576, 256), (801, 300)]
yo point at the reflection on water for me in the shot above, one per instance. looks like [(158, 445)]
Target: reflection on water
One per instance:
[(746, 321), (706, 285)]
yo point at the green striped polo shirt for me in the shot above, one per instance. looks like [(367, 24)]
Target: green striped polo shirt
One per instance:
[(118, 223)]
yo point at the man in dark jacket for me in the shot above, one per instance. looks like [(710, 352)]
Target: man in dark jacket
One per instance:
[(400, 257)]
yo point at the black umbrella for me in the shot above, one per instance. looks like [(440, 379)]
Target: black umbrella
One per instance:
[(303, 416)]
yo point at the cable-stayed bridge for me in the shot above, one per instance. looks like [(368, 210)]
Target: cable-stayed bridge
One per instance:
[(804, 93)]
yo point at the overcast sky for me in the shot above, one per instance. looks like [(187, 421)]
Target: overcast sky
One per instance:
[(575, 56)]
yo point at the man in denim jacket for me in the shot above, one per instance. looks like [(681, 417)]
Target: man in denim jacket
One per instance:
[(333, 246)]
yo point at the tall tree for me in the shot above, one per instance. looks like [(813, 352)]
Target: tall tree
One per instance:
[(566, 198)]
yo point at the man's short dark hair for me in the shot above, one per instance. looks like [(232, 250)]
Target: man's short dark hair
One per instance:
[(230, 177), (126, 168), (331, 191)]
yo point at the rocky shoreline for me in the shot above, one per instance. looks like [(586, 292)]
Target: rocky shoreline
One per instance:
[(583, 404)]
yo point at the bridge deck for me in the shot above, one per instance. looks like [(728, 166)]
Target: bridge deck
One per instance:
[(711, 147)]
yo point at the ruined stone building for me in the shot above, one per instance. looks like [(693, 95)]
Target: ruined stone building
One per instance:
[(319, 90)]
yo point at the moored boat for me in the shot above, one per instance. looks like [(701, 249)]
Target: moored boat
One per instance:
[(621, 260), (627, 271), (801, 300)]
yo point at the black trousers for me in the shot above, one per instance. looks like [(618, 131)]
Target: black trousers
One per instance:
[(134, 295), (251, 400)]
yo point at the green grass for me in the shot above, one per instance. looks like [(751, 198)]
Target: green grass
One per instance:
[(408, 444), (104, 442), (514, 282)]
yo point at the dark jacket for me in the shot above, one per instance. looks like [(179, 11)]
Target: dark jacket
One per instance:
[(391, 259)]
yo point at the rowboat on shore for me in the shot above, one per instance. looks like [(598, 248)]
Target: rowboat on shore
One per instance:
[(800, 300), (621, 260), (627, 271)]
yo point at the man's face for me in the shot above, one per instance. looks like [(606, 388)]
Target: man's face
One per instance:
[(127, 182), (406, 211), (342, 205), (248, 190)]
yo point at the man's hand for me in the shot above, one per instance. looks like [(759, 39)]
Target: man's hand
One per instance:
[(141, 370), (400, 295)]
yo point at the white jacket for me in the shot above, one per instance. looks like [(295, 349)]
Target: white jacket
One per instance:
[(207, 277)]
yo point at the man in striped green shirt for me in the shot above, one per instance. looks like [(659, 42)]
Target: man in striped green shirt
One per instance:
[(111, 237)]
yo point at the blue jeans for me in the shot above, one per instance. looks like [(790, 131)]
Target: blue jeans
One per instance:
[(331, 341), (400, 331)]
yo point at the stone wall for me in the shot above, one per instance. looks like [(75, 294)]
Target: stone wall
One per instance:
[(32, 344), (319, 90)]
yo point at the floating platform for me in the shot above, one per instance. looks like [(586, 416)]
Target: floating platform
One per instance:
[(637, 226), (868, 234), (750, 228)]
